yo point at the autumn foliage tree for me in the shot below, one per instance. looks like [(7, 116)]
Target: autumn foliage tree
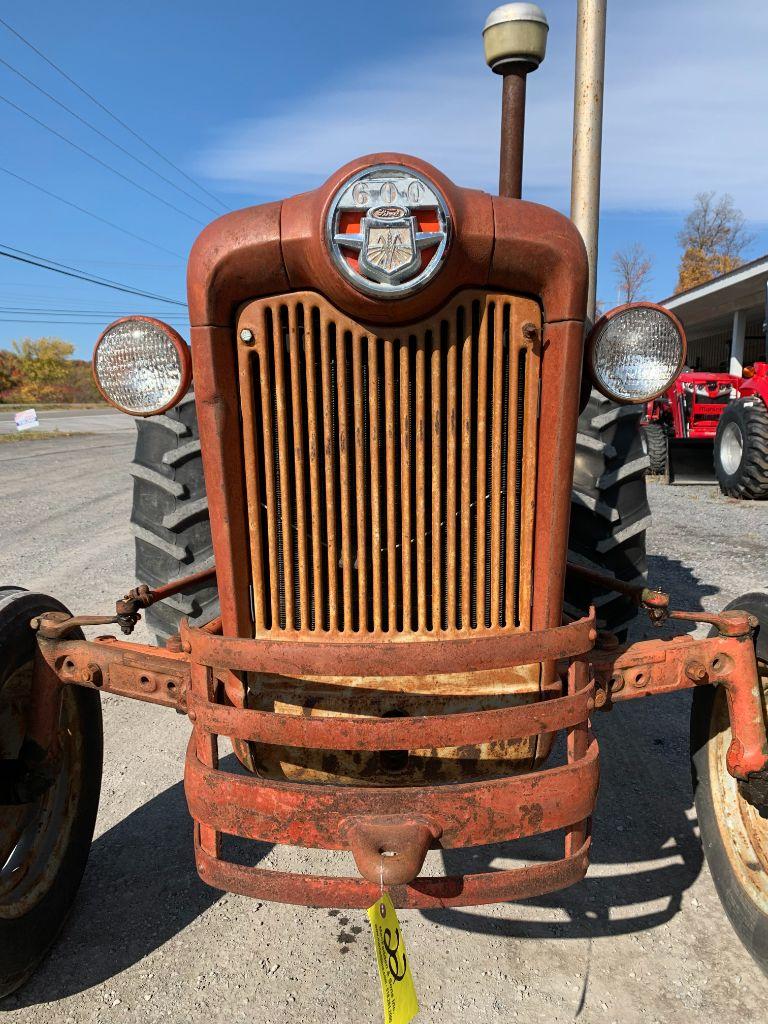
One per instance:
[(713, 240), (42, 370)]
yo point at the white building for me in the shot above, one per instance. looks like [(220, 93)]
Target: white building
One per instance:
[(725, 319)]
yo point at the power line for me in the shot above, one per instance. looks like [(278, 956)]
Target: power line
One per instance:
[(114, 117), (61, 268), (90, 213), (103, 135), (98, 160)]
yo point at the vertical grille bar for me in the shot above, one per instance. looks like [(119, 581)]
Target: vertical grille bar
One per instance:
[(330, 474), (512, 520), (496, 454), (421, 438), (345, 500), (405, 485), (434, 425), (389, 399), (390, 478), (266, 341), (283, 466), (299, 460), (466, 469), (314, 455), (527, 482), (374, 484), (481, 489), (452, 429), (361, 484)]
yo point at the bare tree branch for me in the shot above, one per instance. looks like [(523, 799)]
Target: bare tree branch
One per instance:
[(632, 267)]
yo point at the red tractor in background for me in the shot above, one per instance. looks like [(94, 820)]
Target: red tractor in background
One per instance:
[(705, 420)]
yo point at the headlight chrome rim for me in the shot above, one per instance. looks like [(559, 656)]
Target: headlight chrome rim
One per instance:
[(182, 352), (596, 333)]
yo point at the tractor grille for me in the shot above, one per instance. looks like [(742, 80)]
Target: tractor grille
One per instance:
[(390, 472)]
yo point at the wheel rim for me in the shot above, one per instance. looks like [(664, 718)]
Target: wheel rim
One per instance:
[(743, 831), (731, 448), (34, 837)]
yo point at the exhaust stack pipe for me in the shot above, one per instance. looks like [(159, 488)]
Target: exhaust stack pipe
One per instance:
[(515, 40), (588, 132)]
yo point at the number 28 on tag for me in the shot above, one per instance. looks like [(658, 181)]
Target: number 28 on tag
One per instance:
[(397, 990)]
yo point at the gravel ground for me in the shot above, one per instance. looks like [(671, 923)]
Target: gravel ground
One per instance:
[(642, 939)]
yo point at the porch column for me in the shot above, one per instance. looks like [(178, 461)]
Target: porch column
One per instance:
[(737, 343)]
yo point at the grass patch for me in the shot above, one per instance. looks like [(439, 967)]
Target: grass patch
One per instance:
[(41, 435)]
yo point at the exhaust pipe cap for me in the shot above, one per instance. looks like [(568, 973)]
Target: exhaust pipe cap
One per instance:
[(515, 34)]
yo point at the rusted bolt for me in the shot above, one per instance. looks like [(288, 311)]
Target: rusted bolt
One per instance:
[(600, 697), (92, 674), (186, 647), (529, 330), (592, 635), (696, 671)]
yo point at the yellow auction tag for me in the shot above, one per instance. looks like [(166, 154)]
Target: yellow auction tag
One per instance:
[(397, 991)]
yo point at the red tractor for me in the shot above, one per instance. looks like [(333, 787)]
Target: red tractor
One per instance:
[(387, 397), (705, 420)]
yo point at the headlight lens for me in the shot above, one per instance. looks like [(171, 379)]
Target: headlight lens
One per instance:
[(141, 366), (635, 352)]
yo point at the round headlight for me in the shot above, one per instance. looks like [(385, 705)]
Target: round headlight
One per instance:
[(635, 352), (141, 366)]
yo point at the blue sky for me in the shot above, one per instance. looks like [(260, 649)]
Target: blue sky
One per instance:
[(261, 100)]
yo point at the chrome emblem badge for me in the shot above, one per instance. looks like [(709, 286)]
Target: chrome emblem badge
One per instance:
[(388, 229)]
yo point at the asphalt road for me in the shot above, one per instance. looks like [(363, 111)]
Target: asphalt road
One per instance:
[(642, 939), (103, 420)]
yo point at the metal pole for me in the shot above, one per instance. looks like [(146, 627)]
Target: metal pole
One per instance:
[(588, 131), (512, 132)]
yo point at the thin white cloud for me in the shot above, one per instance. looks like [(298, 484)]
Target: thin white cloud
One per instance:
[(685, 111)]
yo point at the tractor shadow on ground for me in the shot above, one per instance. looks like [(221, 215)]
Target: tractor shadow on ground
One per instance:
[(141, 887), (645, 850)]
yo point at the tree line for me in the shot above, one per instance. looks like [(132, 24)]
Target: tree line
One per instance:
[(712, 240), (43, 370)]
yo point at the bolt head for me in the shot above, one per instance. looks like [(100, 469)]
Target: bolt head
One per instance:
[(246, 335)]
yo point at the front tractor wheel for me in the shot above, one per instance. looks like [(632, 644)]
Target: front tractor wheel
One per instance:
[(46, 826), (657, 445), (741, 449), (733, 821)]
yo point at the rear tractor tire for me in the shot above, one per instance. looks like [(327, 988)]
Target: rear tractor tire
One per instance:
[(609, 510), (46, 826), (657, 445), (741, 449), (733, 821), (169, 519)]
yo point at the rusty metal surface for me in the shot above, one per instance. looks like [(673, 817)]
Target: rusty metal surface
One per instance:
[(664, 666), (395, 657), (450, 891), (512, 132), (499, 243), (342, 732), (342, 426), (464, 814)]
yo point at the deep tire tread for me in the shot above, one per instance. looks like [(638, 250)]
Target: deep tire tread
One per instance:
[(170, 519), (609, 509)]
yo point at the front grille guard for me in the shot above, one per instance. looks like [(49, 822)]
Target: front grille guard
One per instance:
[(389, 830)]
